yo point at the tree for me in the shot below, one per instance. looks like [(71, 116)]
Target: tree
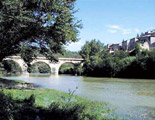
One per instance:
[(136, 51), (40, 67), (91, 53), (45, 25), (121, 54), (68, 54), (11, 66)]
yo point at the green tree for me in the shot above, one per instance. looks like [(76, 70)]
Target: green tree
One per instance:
[(91, 53), (45, 25), (11, 66), (68, 54), (67, 68), (137, 51), (40, 67), (98, 62), (121, 54)]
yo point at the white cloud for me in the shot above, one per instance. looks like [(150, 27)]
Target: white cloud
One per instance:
[(114, 26), (112, 31), (125, 31)]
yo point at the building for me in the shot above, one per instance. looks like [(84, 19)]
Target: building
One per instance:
[(125, 45), (146, 41), (112, 48), (132, 43)]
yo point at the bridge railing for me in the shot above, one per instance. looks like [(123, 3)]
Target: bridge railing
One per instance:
[(44, 58)]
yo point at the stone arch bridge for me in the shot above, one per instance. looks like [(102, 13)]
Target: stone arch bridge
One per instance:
[(54, 66)]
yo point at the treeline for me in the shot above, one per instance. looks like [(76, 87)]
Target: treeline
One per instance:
[(68, 54), (98, 62)]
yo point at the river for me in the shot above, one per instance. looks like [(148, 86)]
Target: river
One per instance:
[(132, 98)]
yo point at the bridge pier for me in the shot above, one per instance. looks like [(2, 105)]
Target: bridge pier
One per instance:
[(25, 73), (57, 71)]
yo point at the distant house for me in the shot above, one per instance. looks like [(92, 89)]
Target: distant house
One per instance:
[(114, 47), (125, 45), (146, 41), (132, 43)]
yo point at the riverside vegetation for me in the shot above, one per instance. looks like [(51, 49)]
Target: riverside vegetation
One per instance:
[(138, 63), (49, 104), (44, 26)]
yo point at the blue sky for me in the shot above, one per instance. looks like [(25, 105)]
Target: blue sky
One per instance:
[(111, 21)]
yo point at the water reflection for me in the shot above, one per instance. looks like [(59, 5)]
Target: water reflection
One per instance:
[(130, 96)]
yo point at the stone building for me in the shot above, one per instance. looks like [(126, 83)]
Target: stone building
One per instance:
[(125, 45), (132, 43), (112, 48), (146, 41)]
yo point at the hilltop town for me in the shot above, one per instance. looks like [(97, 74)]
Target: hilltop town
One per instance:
[(146, 41)]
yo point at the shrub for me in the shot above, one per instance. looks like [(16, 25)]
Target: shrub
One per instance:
[(26, 110)]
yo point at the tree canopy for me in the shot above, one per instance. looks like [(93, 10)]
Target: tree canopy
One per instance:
[(91, 53), (45, 25)]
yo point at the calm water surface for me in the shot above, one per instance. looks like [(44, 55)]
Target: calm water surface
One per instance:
[(132, 98)]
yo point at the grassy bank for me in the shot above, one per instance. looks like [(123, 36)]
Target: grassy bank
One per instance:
[(46, 97)]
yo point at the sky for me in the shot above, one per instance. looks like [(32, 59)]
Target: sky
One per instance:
[(112, 21)]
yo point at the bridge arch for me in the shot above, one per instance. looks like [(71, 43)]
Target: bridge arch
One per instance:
[(63, 62), (47, 62), (41, 64), (69, 67), (19, 61), (9, 64), (54, 67)]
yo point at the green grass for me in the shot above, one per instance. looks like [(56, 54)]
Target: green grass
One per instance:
[(45, 97)]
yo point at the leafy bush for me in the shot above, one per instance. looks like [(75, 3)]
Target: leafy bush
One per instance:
[(25, 109), (40, 67), (98, 62), (11, 66)]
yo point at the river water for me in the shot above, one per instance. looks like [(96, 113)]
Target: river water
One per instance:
[(133, 98)]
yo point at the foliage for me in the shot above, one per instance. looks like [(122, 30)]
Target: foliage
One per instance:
[(11, 66), (136, 51), (141, 67), (78, 69), (91, 52), (138, 63), (68, 54), (69, 68), (50, 104), (44, 25), (28, 54), (40, 67), (66, 68)]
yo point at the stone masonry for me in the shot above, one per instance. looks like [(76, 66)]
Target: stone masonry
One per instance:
[(146, 41)]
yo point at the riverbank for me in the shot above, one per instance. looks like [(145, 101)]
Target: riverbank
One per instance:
[(16, 84), (47, 97)]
